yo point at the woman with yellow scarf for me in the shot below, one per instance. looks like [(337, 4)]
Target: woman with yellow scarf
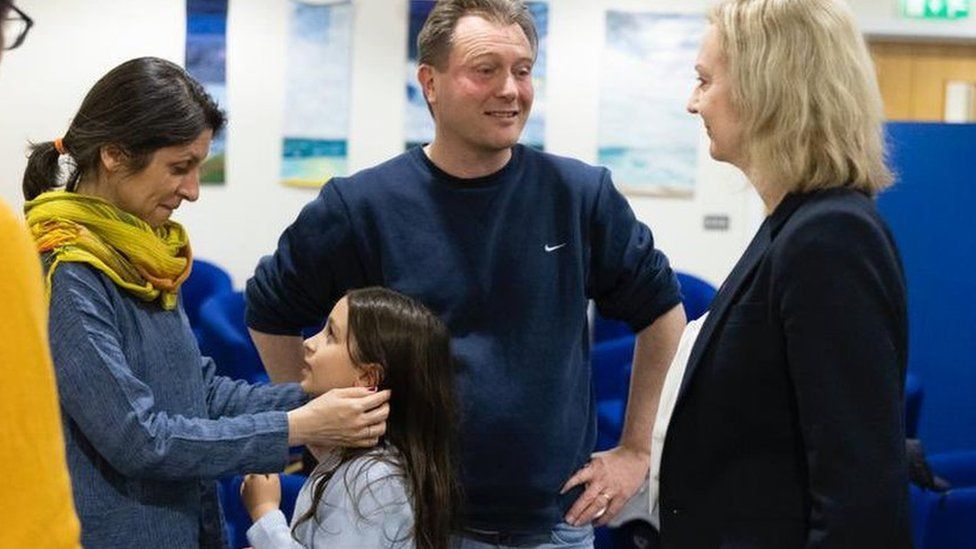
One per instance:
[(148, 425)]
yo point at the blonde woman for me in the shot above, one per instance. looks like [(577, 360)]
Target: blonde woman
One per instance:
[(787, 426)]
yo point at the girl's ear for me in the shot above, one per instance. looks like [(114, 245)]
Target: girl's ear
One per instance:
[(371, 375)]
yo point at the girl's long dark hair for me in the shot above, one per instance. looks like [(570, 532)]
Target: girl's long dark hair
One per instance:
[(140, 106), (413, 347)]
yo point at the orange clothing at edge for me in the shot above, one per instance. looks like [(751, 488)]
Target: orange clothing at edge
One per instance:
[(35, 493)]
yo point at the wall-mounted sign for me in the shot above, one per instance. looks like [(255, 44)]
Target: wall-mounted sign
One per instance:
[(935, 9)]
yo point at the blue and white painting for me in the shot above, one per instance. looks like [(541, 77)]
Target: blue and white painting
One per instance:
[(420, 125), (646, 137), (317, 90), (206, 61)]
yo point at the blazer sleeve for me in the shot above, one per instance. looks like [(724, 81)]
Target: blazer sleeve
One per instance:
[(843, 311), (116, 410)]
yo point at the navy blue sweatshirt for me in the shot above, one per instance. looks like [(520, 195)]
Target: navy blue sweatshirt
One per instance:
[(508, 261)]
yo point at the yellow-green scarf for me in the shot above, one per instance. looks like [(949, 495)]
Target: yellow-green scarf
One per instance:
[(148, 263)]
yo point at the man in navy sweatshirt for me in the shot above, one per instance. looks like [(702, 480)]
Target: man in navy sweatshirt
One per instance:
[(507, 245)]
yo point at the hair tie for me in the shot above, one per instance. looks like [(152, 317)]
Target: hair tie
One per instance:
[(59, 146)]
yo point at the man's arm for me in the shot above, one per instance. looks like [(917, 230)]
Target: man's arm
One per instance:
[(612, 477), (315, 263), (282, 355), (653, 352)]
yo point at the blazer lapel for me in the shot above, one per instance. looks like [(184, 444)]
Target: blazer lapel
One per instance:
[(723, 299), (740, 273)]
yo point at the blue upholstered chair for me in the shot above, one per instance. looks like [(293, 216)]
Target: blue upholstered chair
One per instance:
[(913, 404), (205, 280), (944, 521), (696, 295), (606, 329), (959, 468), (952, 520), (224, 338), (611, 366)]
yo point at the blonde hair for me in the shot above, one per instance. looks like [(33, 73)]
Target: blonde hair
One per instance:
[(805, 89)]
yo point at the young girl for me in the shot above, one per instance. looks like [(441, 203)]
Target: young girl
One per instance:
[(403, 492)]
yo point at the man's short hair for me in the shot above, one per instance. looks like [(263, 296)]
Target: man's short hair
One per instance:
[(436, 37)]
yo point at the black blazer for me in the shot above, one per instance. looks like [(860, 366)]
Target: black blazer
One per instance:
[(788, 428)]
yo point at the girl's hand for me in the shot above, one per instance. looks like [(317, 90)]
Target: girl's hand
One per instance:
[(261, 494)]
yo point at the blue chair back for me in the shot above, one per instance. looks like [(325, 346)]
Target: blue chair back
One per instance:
[(913, 404), (951, 520), (920, 503), (205, 280), (224, 338), (958, 468), (606, 329), (696, 294), (610, 362)]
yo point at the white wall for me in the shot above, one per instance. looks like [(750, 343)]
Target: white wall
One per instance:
[(74, 43), (576, 33)]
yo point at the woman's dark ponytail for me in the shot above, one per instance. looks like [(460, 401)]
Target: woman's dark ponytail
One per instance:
[(42, 171)]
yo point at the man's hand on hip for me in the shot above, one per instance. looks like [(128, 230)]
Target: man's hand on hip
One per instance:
[(611, 479)]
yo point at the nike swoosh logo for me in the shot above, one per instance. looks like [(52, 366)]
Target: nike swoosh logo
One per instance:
[(554, 248)]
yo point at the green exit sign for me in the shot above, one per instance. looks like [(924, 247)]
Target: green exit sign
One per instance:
[(936, 9)]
